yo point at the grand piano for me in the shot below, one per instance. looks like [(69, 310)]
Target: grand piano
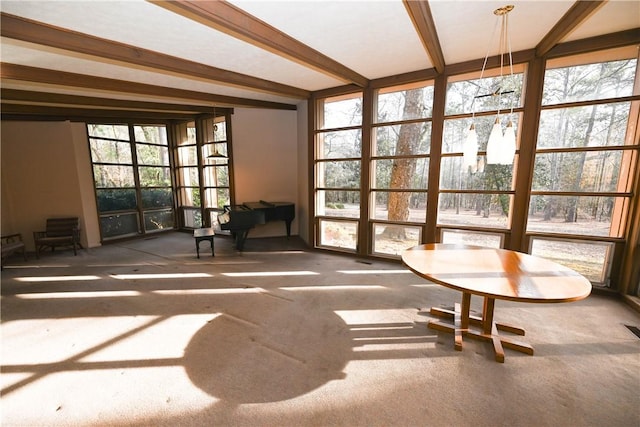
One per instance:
[(239, 219)]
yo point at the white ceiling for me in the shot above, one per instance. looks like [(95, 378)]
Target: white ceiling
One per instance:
[(373, 38)]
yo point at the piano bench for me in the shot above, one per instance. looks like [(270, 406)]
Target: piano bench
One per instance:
[(203, 234)]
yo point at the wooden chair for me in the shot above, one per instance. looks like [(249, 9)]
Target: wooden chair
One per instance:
[(59, 232), (12, 243)]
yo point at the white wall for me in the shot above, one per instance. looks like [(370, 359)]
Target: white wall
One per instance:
[(265, 159), (46, 172)]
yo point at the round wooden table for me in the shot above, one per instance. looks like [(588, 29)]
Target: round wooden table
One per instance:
[(492, 274)]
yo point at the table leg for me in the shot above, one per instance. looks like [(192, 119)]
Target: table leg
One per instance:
[(460, 317), (462, 321), (490, 333)]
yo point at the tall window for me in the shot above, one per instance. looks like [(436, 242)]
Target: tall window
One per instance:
[(132, 178), (401, 141), (338, 152), (216, 182), (584, 159), (203, 174), (188, 176), (476, 199)]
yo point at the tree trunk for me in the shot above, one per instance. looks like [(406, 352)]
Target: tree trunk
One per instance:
[(404, 169)]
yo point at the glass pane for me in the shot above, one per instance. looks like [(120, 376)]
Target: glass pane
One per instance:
[(190, 196), (119, 225), (190, 138), (400, 206), (152, 155), (217, 176), (477, 210), (585, 216), (151, 134), (187, 155), (461, 95), (217, 197), (393, 239), (453, 176), (338, 203), (462, 237), (156, 197), (584, 171), (154, 176), (189, 177), (158, 220), (116, 200), (340, 145), (109, 131), (588, 82), (341, 111), (192, 218), (587, 258), (103, 151), (113, 176), (399, 140), (220, 129), (590, 126), (411, 103), (400, 174), (456, 130), (339, 234), (339, 174)]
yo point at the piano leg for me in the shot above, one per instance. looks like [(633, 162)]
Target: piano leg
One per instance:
[(241, 236), (288, 228)]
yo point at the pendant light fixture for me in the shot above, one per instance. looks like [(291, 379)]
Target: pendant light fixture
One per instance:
[(216, 154), (501, 147)]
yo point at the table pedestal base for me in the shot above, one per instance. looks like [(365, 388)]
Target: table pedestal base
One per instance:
[(462, 322)]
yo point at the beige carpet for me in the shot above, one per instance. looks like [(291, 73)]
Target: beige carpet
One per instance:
[(144, 334)]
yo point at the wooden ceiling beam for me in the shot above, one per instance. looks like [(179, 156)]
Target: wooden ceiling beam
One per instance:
[(50, 98), (579, 12), (231, 20), (11, 110), (66, 79), (27, 30), (420, 14)]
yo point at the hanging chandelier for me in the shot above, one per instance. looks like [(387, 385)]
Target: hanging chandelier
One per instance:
[(501, 146)]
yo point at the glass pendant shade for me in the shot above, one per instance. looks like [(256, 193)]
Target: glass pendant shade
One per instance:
[(508, 150), (501, 148), (470, 148), (495, 144)]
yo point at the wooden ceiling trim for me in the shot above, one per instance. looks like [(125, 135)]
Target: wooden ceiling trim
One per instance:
[(578, 13), (27, 30), (420, 14), (66, 79), (235, 22), (26, 96), (593, 44), (10, 110)]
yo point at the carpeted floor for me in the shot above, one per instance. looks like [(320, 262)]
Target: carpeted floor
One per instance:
[(143, 333)]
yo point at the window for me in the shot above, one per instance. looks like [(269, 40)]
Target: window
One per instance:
[(481, 196), (399, 171), (188, 176), (338, 149), (585, 153), (203, 175), (132, 178), (394, 178)]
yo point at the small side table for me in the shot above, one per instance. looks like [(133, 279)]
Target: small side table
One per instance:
[(203, 234)]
